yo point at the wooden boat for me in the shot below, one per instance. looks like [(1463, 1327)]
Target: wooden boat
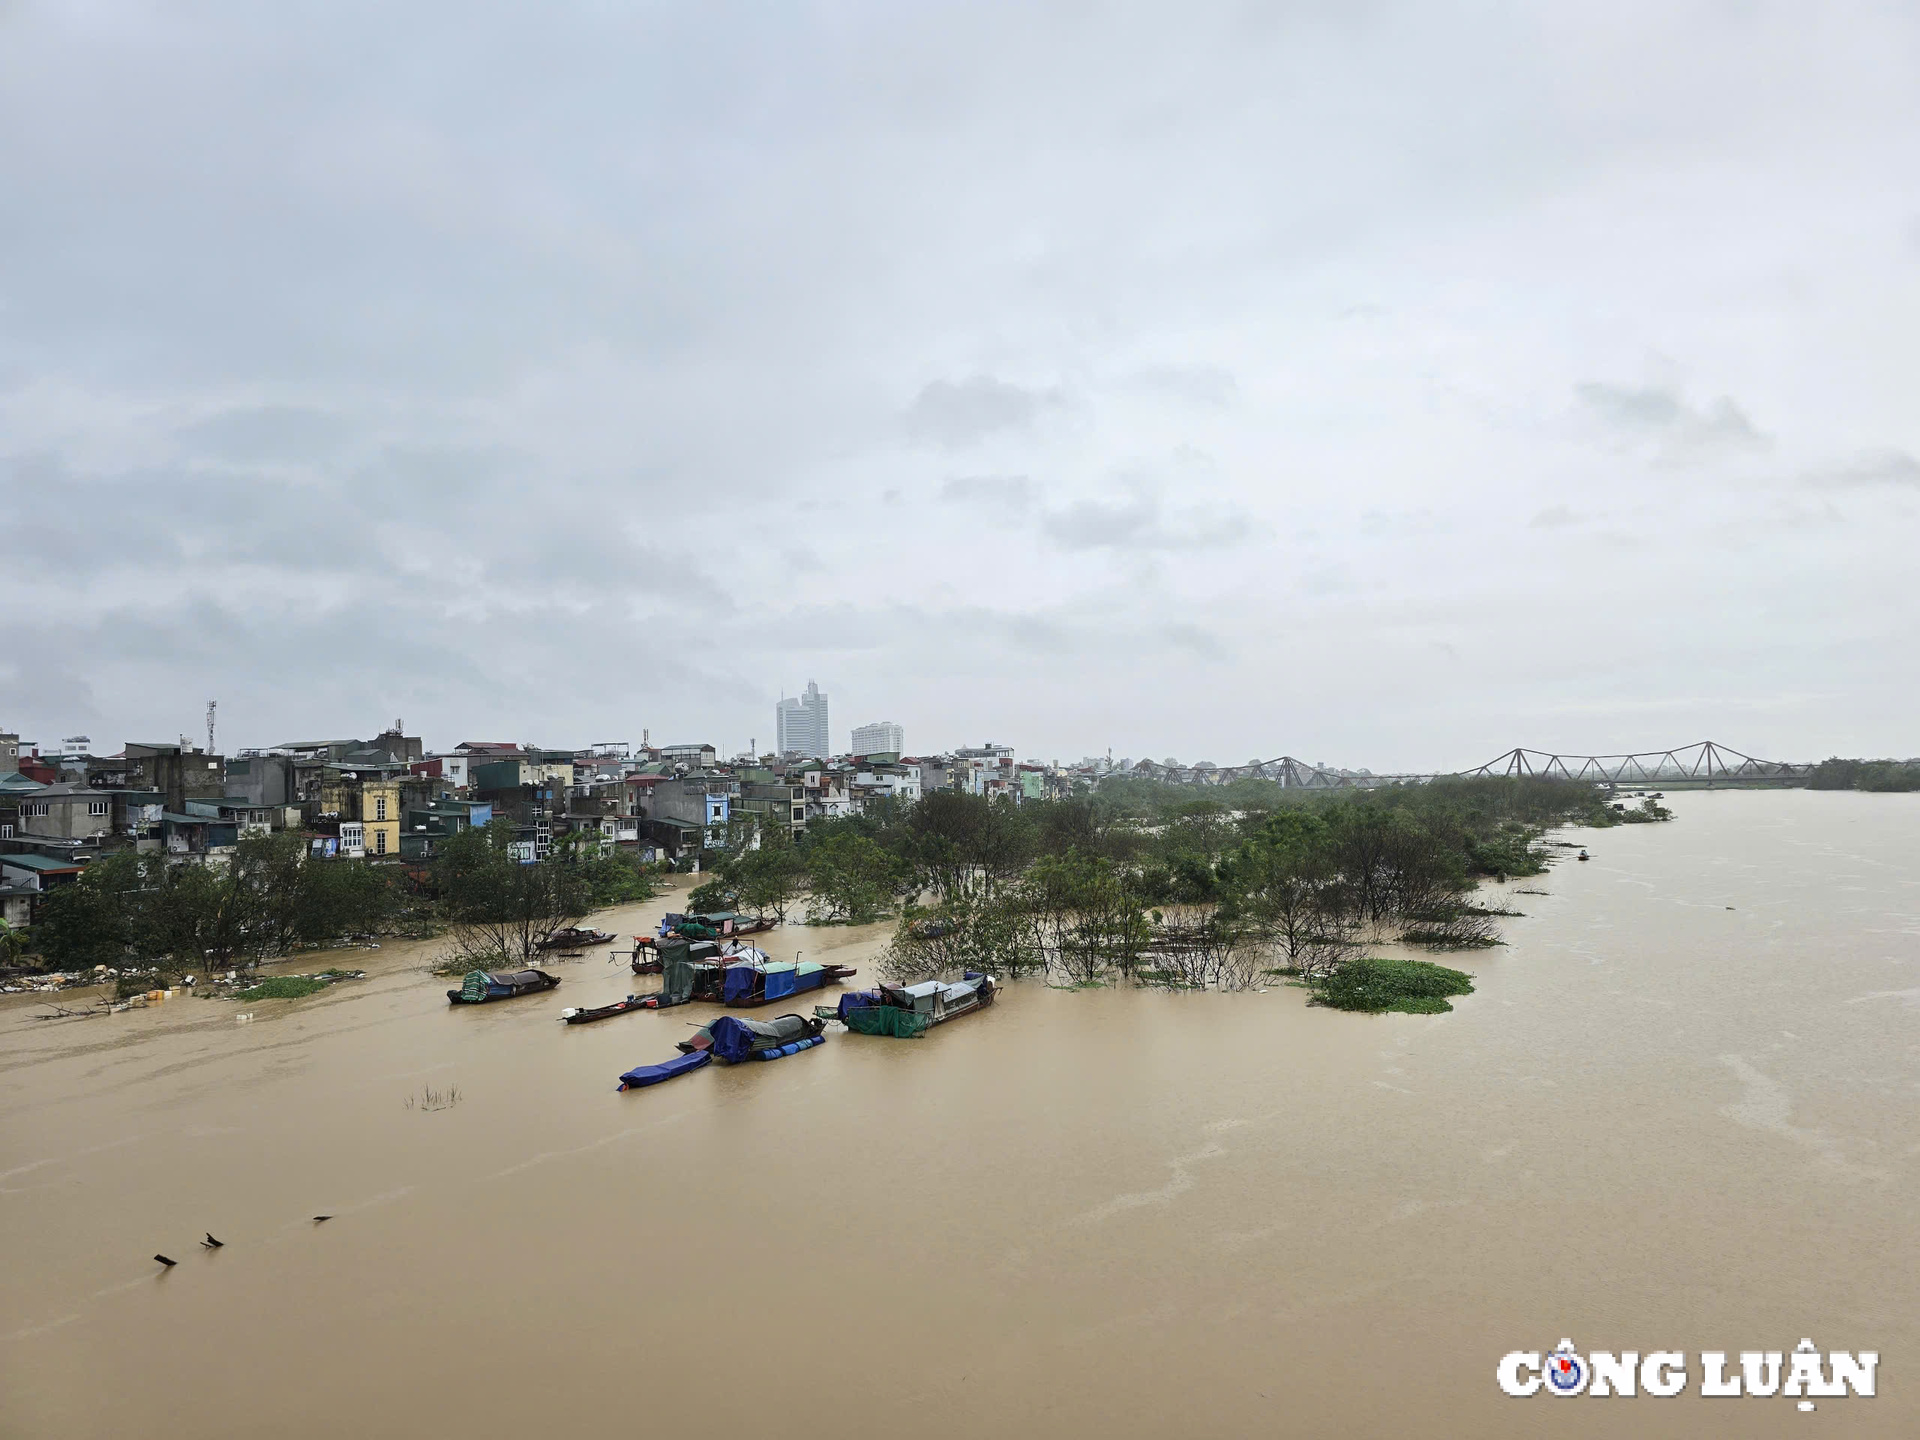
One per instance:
[(574, 938), (642, 1076), (731, 1040), (481, 986), (905, 1011), (606, 1012), (659, 1000)]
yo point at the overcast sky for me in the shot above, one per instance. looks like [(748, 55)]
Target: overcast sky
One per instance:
[(1380, 384)]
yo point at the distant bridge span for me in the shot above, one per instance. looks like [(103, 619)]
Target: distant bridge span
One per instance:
[(1704, 762)]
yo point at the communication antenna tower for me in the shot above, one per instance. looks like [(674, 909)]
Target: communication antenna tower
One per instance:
[(212, 705)]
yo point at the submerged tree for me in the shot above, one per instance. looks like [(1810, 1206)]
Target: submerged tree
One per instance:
[(852, 879), (502, 909), (1286, 881)]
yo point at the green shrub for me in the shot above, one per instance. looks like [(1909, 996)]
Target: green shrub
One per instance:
[(284, 987), (1373, 985)]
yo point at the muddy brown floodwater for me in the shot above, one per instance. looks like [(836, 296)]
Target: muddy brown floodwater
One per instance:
[(1679, 1112)]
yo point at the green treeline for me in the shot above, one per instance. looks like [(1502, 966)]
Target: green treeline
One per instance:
[(272, 899), (1879, 775), (1154, 883)]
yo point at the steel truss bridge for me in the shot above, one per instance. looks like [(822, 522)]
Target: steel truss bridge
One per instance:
[(1705, 762)]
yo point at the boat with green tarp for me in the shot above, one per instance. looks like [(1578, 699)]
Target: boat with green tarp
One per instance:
[(906, 1011), (480, 986)]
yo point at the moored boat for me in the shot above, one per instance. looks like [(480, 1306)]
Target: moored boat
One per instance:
[(905, 1011), (650, 956), (575, 938), (480, 986), (603, 1012), (731, 1040), (642, 1076), (711, 925), (746, 983)]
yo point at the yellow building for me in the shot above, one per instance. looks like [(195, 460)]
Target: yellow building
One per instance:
[(370, 796), (377, 808)]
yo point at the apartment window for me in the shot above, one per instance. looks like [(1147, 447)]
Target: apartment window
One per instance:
[(380, 839), (39, 808), (6, 832), (96, 807), (380, 808)]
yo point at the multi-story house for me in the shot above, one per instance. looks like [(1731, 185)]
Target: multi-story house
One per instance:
[(879, 779), (77, 814), (773, 798), (179, 772), (829, 792), (365, 792), (703, 802)]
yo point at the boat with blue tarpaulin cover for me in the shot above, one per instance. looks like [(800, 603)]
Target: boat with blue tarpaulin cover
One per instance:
[(642, 1076), (731, 1040)]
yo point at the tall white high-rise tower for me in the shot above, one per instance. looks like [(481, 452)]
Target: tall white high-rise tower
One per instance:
[(800, 724)]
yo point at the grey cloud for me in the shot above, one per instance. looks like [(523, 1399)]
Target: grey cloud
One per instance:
[(605, 373), (1204, 385), (957, 415), (1656, 411), (267, 433), (1141, 522), (1011, 492), (1553, 517), (1403, 522), (1194, 641), (1874, 468)]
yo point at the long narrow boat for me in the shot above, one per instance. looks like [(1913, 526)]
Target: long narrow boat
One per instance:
[(905, 1011), (480, 986), (731, 1040), (642, 1076), (606, 1012), (574, 938)]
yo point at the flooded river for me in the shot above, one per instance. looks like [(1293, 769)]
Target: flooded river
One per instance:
[(1682, 1111)]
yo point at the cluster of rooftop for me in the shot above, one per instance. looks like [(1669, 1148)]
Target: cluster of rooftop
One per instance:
[(388, 800)]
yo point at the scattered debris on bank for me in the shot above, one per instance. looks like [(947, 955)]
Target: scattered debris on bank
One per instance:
[(135, 989)]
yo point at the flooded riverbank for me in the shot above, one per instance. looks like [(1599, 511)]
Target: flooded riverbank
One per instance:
[(1660, 1122)]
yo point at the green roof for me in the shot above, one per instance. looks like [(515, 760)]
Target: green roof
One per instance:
[(36, 862)]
